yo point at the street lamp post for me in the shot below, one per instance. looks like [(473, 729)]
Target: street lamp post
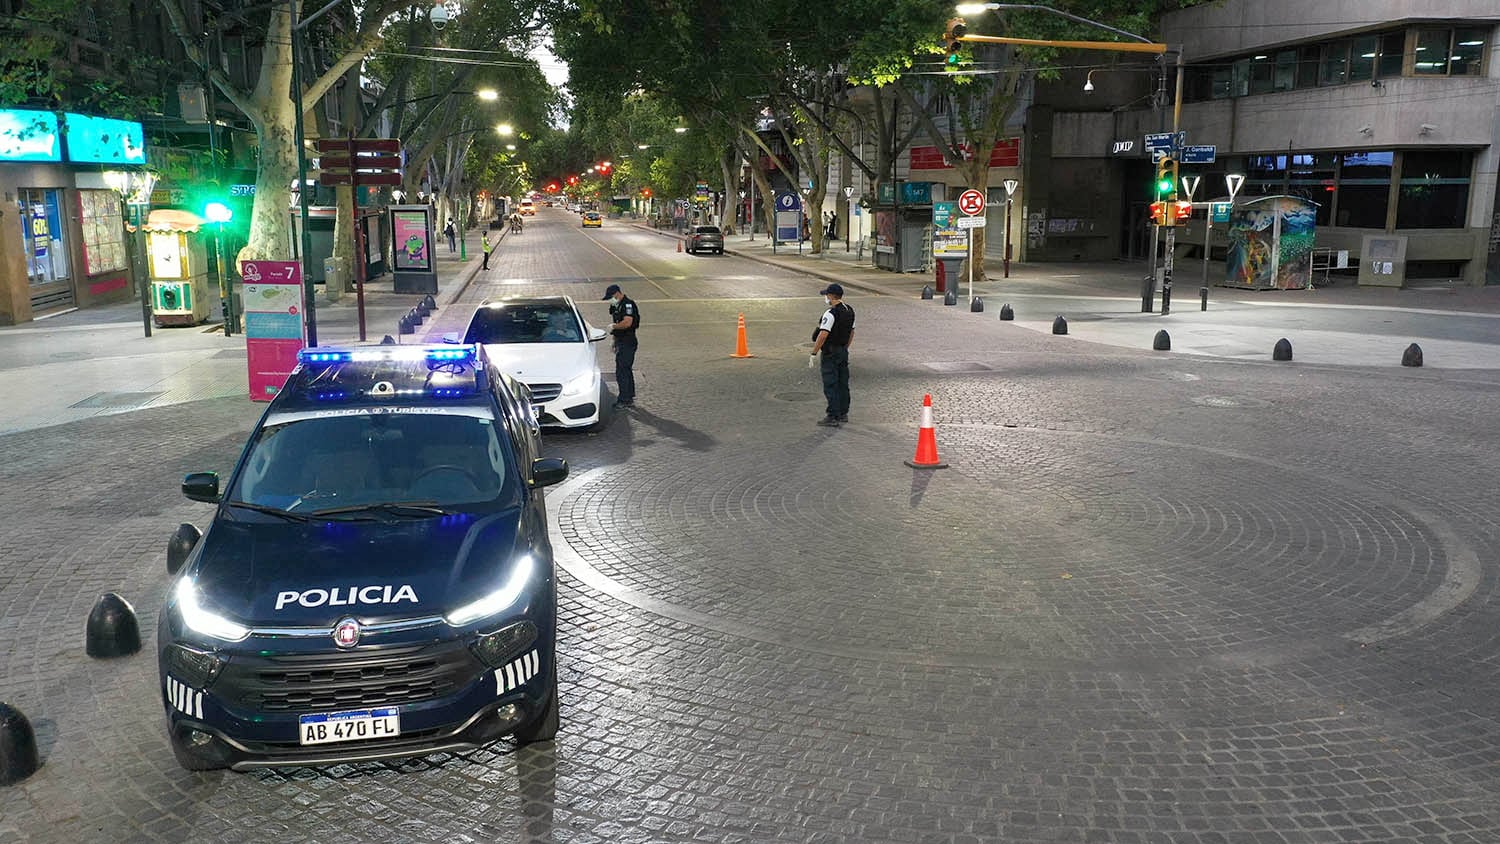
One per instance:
[(130, 183), (848, 214), (1010, 192)]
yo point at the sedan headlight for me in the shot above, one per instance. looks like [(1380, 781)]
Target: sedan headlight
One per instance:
[(202, 621), (498, 601), (580, 384)]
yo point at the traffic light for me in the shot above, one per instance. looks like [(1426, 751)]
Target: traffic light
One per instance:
[(1166, 177), (951, 43), (217, 212), (1183, 210), (646, 192), (1159, 213)]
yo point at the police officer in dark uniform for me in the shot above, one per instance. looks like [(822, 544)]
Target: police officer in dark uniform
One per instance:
[(834, 333), (624, 319)]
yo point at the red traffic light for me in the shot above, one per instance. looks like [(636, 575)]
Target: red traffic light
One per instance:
[(1159, 213), (645, 191), (1184, 210)]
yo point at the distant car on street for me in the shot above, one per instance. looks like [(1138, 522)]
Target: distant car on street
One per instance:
[(705, 239), (544, 343), (528, 208), (376, 580), (593, 219)]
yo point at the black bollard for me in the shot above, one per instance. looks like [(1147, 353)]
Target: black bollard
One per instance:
[(950, 298), (1283, 350), (1412, 356), (388, 340), (18, 756), (1203, 298), (404, 326), (1059, 326), (180, 545), (1006, 313), (1162, 342), (430, 302), (416, 318), (976, 305), (926, 291), (422, 310), (112, 629)]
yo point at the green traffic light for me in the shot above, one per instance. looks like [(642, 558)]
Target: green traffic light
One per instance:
[(1164, 186), (952, 58), (217, 212)]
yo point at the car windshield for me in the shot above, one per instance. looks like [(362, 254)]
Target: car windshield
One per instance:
[(708, 230), (540, 323), (312, 463)]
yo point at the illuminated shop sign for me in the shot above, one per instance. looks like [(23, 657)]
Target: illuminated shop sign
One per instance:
[(104, 140), (28, 136)]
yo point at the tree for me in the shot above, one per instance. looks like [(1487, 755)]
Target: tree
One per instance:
[(34, 69)]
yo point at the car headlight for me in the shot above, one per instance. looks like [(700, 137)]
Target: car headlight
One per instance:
[(202, 621), (579, 384), (497, 601)]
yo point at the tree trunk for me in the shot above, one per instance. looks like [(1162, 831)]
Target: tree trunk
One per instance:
[(731, 190), (270, 225), (763, 187)]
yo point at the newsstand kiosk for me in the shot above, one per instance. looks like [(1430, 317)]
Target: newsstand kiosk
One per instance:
[(178, 263)]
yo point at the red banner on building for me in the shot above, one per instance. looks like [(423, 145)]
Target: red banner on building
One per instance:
[(1007, 153)]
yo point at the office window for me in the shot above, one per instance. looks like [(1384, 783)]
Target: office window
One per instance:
[(1434, 190), (1309, 59), (1432, 52), (1335, 64), (1392, 50), (1284, 77), (1312, 178), (1362, 58), (1260, 74), (1364, 189), (1240, 83), (1467, 54), (1221, 82)]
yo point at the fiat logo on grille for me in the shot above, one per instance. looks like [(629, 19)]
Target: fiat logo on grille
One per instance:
[(346, 633)]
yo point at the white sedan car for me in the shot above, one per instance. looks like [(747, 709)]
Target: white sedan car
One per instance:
[(544, 343)]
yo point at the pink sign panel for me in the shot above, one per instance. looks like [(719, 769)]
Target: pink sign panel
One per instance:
[(275, 326)]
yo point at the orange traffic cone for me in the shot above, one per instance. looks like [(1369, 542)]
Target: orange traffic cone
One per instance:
[(741, 347), (679, 244), (927, 454)]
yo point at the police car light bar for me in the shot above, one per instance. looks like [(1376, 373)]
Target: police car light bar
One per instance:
[(448, 353)]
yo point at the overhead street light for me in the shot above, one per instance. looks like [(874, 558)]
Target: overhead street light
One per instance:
[(505, 130), (487, 94)]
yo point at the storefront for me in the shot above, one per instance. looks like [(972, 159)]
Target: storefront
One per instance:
[(67, 228)]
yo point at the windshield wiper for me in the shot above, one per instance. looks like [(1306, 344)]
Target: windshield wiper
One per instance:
[(273, 511), (409, 509)]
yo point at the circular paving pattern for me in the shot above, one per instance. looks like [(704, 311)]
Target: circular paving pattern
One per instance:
[(1074, 548)]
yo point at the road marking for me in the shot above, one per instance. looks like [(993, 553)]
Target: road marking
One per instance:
[(628, 265)]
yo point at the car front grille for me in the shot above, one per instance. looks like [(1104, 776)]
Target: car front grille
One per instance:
[(541, 393), (332, 681)]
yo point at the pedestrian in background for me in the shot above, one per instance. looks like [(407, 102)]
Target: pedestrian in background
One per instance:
[(452, 234), (624, 318), (484, 243), (832, 337)]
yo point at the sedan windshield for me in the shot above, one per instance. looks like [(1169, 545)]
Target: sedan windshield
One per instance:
[(425, 462), (539, 323)]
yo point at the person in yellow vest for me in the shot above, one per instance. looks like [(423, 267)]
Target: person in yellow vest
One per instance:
[(484, 243)]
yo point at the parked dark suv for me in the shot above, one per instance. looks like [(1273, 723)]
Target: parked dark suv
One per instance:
[(705, 239), (376, 580)]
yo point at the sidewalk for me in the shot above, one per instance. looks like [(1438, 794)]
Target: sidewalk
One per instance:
[(1344, 325), (97, 361)]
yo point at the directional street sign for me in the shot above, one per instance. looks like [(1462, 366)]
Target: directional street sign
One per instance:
[(971, 202), (1159, 142), (788, 202), (1219, 212), (971, 222), (1199, 154)]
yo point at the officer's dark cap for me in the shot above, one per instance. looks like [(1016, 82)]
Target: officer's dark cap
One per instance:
[(611, 290), (834, 289)]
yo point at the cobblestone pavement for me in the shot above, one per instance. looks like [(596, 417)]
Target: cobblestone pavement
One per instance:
[(1154, 598)]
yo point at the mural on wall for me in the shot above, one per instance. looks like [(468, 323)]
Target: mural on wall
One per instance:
[(1271, 243)]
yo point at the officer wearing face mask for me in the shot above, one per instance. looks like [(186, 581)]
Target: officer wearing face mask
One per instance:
[(834, 334)]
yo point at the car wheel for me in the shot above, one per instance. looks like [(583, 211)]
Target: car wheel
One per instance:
[(544, 726), (190, 759)]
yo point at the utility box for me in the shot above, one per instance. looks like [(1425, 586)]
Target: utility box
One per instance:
[(1382, 260), (1271, 243), (178, 264)]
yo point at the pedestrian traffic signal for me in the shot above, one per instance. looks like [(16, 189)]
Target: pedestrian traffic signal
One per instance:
[(951, 43), (1183, 210), (1159, 213)]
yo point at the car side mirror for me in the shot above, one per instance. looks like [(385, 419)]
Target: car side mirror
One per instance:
[(596, 334), (452, 337), (546, 471), (181, 545), (202, 486)]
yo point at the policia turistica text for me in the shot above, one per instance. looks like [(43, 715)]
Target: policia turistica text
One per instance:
[(624, 319), (832, 338)]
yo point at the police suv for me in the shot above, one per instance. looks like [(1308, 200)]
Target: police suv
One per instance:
[(376, 580)]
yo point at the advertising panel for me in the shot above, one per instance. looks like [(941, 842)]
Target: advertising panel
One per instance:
[(275, 326), (104, 140), (413, 247), (29, 136), (948, 240), (1271, 243)]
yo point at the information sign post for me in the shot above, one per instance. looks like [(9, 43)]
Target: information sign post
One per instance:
[(275, 323)]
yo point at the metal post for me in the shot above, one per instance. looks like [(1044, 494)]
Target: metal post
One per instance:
[(225, 284), (1208, 228), (1148, 289), (309, 303), (1008, 202), (357, 265), (1166, 277), (143, 280)]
